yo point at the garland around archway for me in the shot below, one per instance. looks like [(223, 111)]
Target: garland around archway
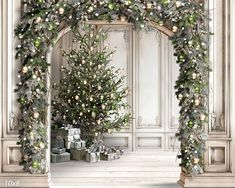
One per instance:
[(39, 27)]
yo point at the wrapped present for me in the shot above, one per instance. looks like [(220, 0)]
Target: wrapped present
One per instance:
[(58, 150), (57, 158), (118, 150), (93, 157), (78, 154), (97, 146), (58, 142), (75, 145), (68, 138), (107, 156), (69, 131), (77, 142)]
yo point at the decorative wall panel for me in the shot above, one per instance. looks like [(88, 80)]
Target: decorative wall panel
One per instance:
[(11, 157), (217, 156)]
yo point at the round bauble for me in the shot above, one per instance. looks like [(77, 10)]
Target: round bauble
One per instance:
[(178, 4), (197, 102), (202, 117), (61, 10), (36, 115), (25, 70), (174, 29), (38, 19)]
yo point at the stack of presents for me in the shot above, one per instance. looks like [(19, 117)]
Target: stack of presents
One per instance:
[(67, 145)]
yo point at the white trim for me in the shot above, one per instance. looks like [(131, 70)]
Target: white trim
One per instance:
[(232, 81), (1, 91)]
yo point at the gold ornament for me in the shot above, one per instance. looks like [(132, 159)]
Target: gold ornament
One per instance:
[(197, 102), (61, 10), (180, 96), (25, 70), (103, 106), (38, 19), (149, 5), (90, 9), (174, 29), (76, 97), (98, 122), (36, 115), (195, 160)]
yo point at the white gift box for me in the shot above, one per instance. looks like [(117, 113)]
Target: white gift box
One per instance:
[(75, 145), (92, 157), (68, 138), (78, 144)]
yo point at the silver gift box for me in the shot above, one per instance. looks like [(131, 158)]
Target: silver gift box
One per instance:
[(78, 144), (93, 157), (57, 158), (75, 144), (58, 150)]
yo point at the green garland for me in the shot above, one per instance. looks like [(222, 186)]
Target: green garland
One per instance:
[(43, 19)]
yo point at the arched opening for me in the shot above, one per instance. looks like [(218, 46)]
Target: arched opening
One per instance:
[(140, 52), (189, 41)]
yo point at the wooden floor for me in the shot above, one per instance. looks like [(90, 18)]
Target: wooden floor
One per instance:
[(143, 169)]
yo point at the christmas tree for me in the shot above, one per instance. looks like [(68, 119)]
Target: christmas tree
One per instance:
[(91, 94)]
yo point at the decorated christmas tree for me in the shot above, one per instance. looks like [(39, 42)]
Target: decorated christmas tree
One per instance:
[(91, 94)]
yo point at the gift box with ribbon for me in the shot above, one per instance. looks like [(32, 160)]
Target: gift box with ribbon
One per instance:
[(93, 157), (77, 142)]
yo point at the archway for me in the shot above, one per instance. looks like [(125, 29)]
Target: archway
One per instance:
[(39, 28)]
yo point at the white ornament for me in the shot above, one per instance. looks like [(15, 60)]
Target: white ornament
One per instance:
[(25, 70), (194, 76), (178, 3), (197, 102), (61, 10), (36, 115), (202, 117)]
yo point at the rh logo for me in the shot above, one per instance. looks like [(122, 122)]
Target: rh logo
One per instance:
[(12, 183)]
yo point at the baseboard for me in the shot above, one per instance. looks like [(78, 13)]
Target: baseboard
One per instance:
[(206, 180), (24, 180)]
